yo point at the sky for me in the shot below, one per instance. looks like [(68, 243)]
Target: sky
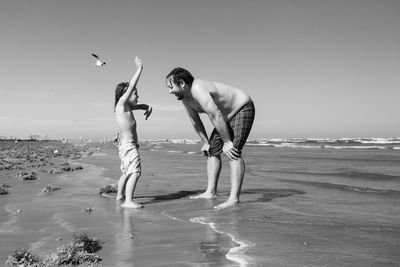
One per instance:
[(313, 68)]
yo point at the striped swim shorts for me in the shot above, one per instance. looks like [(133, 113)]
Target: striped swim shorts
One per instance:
[(239, 129), (130, 159)]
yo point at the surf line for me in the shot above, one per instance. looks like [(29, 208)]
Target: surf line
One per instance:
[(171, 217), (235, 254)]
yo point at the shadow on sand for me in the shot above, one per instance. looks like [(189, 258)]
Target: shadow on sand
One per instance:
[(169, 197), (261, 194), (266, 194)]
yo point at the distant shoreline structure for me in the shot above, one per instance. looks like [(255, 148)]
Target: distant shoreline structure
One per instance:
[(306, 143)]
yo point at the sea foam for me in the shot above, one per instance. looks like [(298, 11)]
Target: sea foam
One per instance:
[(235, 254)]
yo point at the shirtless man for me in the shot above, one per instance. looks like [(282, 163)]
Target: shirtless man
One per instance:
[(126, 100), (231, 111)]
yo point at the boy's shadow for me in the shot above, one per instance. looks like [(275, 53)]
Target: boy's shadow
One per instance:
[(169, 197)]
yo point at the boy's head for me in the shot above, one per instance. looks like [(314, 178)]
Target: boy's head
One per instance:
[(119, 91), (174, 81)]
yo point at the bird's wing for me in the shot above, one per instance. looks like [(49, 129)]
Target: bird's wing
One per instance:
[(95, 56)]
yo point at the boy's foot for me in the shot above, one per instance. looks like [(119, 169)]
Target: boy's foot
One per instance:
[(204, 195), (131, 205), (119, 197), (226, 204)]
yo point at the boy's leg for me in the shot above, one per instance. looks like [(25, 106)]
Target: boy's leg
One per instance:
[(121, 187), (213, 170), (237, 176), (129, 191)]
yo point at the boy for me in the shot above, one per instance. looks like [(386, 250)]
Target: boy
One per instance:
[(126, 100)]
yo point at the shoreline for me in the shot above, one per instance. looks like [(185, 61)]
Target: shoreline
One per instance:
[(235, 254), (66, 212), (284, 217)]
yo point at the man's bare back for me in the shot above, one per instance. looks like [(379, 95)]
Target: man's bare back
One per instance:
[(228, 98)]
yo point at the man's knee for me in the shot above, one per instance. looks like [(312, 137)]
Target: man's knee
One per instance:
[(214, 157)]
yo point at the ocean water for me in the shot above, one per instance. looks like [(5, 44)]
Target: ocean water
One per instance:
[(304, 202)]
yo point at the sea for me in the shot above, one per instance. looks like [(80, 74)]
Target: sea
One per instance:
[(304, 202)]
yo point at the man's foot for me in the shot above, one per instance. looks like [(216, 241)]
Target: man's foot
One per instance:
[(131, 205), (204, 195), (227, 204)]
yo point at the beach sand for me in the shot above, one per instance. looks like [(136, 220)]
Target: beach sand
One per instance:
[(285, 218)]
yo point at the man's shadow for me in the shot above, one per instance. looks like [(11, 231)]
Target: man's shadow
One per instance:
[(268, 194), (262, 194)]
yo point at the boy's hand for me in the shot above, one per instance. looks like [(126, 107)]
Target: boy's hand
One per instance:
[(148, 112), (139, 63)]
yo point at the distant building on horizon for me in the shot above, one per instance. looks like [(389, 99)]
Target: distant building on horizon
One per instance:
[(38, 137), (9, 138)]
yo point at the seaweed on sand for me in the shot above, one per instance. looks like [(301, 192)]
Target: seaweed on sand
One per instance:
[(23, 257), (80, 251), (65, 167), (3, 189), (24, 175), (90, 245), (49, 189), (108, 189)]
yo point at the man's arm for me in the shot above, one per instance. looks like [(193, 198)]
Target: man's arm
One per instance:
[(201, 93), (133, 82), (197, 123)]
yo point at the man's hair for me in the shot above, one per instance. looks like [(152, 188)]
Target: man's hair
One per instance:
[(119, 91), (181, 74)]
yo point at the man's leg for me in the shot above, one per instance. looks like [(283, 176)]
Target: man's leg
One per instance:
[(237, 176), (241, 125), (213, 170)]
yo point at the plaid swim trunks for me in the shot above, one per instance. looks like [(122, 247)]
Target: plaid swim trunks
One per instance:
[(239, 129)]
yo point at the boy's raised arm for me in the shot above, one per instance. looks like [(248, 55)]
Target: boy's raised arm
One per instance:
[(133, 82)]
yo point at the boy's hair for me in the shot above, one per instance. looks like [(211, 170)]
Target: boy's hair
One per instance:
[(181, 74), (119, 91)]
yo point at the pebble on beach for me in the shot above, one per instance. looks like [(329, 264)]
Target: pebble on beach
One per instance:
[(88, 210)]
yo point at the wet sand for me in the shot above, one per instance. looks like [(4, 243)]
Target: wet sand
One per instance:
[(281, 220)]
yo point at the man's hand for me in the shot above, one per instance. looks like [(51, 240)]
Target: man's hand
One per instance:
[(139, 63), (148, 112), (230, 151), (205, 149)]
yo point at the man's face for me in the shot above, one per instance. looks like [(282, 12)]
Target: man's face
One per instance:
[(174, 89)]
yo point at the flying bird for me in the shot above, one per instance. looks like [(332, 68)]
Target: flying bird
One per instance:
[(98, 61)]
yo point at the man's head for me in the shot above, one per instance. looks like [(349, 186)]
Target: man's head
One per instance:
[(177, 80)]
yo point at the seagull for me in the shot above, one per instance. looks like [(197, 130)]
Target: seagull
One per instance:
[(98, 61)]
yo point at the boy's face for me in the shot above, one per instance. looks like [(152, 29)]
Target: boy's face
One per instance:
[(134, 97), (174, 89)]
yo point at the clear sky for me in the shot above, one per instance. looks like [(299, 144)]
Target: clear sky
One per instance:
[(313, 68)]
